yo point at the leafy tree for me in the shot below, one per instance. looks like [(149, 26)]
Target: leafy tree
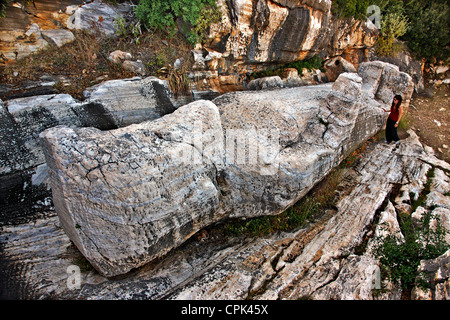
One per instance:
[(393, 26), (196, 16), (428, 35), (350, 8), (428, 28), (400, 258), (389, 6)]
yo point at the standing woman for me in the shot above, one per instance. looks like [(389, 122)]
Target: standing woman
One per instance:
[(394, 119)]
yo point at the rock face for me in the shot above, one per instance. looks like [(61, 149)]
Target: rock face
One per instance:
[(330, 258), (253, 35), (334, 67), (255, 31), (256, 34), (405, 61), (438, 272), (129, 195), (96, 15), (109, 105)]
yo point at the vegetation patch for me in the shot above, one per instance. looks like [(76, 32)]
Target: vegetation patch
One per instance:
[(315, 62), (84, 62), (400, 256), (427, 24), (393, 26), (193, 17), (321, 198)]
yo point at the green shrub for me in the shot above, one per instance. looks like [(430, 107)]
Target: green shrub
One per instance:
[(313, 63), (400, 258), (423, 240), (429, 32), (3, 8), (393, 26), (350, 8), (196, 15)]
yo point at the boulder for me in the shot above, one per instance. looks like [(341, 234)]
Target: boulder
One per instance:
[(58, 37), (136, 67), (109, 105), (442, 69), (96, 15), (33, 43), (133, 100), (407, 63), (265, 83), (24, 119), (394, 82), (384, 80), (129, 195), (143, 181), (334, 67), (118, 56)]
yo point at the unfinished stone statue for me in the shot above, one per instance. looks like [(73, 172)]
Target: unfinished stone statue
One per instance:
[(129, 195)]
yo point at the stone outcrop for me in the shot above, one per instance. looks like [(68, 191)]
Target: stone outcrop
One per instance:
[(27, 29), (330, 258), (438, 275), (334, 67), (266, 83), (96, 15), (141, 181), (406, 62), (129, 195), (257, 34), (284, 31), (332, 254), (109, 105)]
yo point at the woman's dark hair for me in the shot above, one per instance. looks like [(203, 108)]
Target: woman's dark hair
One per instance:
[(399, 99)]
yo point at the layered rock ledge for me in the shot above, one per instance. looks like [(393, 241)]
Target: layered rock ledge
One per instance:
[(128, 196), (330, 258), (109, 105)]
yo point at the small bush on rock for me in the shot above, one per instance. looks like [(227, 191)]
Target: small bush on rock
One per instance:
[(393, 26), (193, 17)]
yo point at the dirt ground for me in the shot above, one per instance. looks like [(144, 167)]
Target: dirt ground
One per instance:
[(429, 117)]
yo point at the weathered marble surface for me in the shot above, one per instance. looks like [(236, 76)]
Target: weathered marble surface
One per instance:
[(127, 196), (109, 105), (317, 262)]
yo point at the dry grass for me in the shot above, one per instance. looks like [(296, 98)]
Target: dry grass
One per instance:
[(84, 62), (430, 119)]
